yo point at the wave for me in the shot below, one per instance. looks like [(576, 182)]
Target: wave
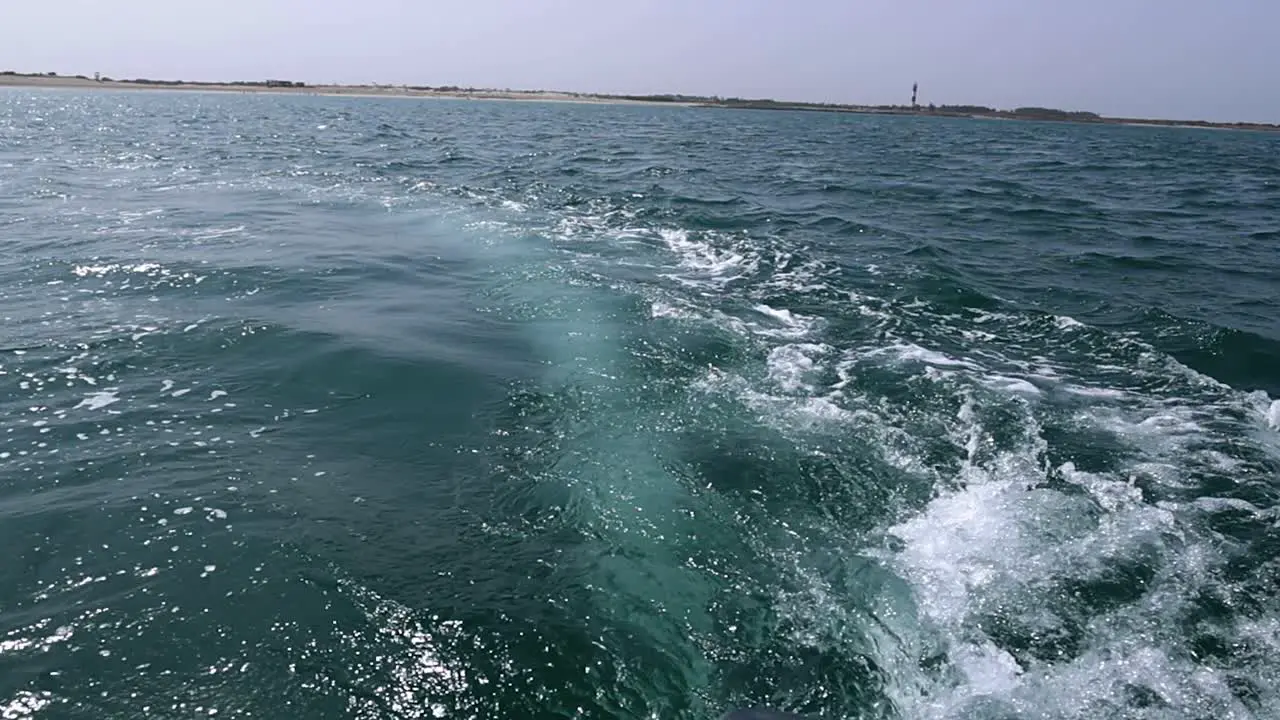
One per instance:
[(559, 425)]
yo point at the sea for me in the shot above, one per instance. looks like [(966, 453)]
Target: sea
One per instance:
[(340, 407)]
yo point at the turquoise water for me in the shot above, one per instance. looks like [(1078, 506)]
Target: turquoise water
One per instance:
[(335, 407)]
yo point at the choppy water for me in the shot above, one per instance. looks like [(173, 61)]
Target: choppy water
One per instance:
[(319, 407)]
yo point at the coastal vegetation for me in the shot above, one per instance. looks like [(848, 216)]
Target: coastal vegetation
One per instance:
[(148, 81), (238, 83)]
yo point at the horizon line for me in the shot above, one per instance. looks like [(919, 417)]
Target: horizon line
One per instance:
[(973, 110)]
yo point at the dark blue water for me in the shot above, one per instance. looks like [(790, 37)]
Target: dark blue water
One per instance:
[(354, 408)]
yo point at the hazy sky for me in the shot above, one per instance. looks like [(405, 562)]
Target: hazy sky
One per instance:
[(1209, 59)]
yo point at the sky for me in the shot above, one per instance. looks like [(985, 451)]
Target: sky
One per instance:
[(1184, 59)]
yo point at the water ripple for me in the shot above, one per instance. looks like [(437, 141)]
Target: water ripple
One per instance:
[(345, 407)]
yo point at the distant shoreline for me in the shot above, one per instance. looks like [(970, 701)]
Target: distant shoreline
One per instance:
[(13, 79), (1023, 114), (386, 91)]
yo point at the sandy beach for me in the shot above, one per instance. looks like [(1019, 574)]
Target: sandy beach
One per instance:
[(400, 91)]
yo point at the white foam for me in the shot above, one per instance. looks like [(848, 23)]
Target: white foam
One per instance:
[(1010, 384), (1160, 431), (660, 309), (1112, 495), (1107, 676), (956, 548), (98, 400), (790, 365), (987, 669), (913, 352), (703, 257), (214, 233), (785, 413), (1067, 322), (983, 316), (102, 270), (785, 316), (1102, 393), (1000, 544), (793, 324), (87, 270), (1221, 504)]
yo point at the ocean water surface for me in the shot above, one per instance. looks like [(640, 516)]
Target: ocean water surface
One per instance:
[(368, 408)]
